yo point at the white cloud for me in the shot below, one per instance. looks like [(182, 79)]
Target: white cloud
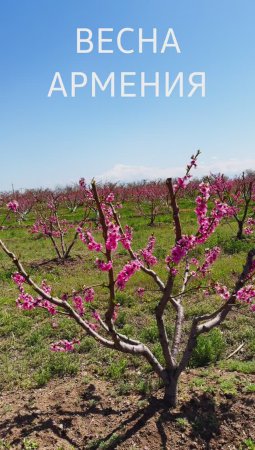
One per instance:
[(125, 173)]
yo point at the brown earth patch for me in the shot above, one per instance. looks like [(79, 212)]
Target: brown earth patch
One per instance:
[(69, 414)]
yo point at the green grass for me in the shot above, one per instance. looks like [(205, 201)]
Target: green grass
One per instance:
[(25, 337), (209, 348), (248, 444), (238, 366)]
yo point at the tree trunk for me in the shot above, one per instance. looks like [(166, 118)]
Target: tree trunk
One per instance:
[(170, 396), (240, 230)]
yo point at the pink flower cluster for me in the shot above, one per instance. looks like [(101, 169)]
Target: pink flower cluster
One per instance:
[(181, 249), (110, 198), (64, 345), (87, 192), (89, 295), (46, 288), (103, 266), (89, 240), (82, 182), (51, 226), (115, 312), (96, 315), (201, 202), (78, 301), (113, 236), (140, 292), (78, 304), (18, 279), (27, 301), (222, 291), (207, 226), (210, 257), (13, 206), (47, 305), (126, 273), (181, 183), (249, 229), (246, 294), (146, 253), (126, 239)]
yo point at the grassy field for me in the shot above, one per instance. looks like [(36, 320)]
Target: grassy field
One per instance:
[(26, 363), (25, 336)]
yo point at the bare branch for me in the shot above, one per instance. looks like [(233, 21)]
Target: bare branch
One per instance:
[(175, 209)]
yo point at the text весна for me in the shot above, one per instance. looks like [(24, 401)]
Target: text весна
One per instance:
[(106, 40)]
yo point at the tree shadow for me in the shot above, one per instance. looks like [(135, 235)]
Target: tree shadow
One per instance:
[(51, 263), (200, 413)]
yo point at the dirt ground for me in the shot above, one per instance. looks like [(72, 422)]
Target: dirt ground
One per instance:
[(70, 414)]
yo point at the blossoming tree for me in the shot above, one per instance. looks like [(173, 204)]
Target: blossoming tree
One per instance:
[(49, 223), (240, 194), (150, 198), (185, 276)]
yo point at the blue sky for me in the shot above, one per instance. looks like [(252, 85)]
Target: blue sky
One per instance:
[(49, 142)]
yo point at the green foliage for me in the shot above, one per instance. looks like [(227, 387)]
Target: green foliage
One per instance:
[(182, 423), (208, 349), (87, 344), (104, 445), (238, 366), (58, 365), (228, 386), (248, 444), (143, 387), (28, 444), (117, 369), (150, 333), (4, 445), (250, 387)]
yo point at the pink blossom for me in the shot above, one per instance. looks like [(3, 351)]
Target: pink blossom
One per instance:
[(46, 288), (104, 266), (210, 257), (149, 259), (78, 303), (82, 182), (173, 271), (194, 261), (49, 306), (18, 278), (13, 206), (126, 239), (126, 273), (110, 198), (89, 240), (93, 326), (180, 184), (96, 315), (140, 292), (113, 236), (222, 291), (115, 312), (181, 249), (64, 345), (89, 295), (26, 301), (246, 294), (248, 230)]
